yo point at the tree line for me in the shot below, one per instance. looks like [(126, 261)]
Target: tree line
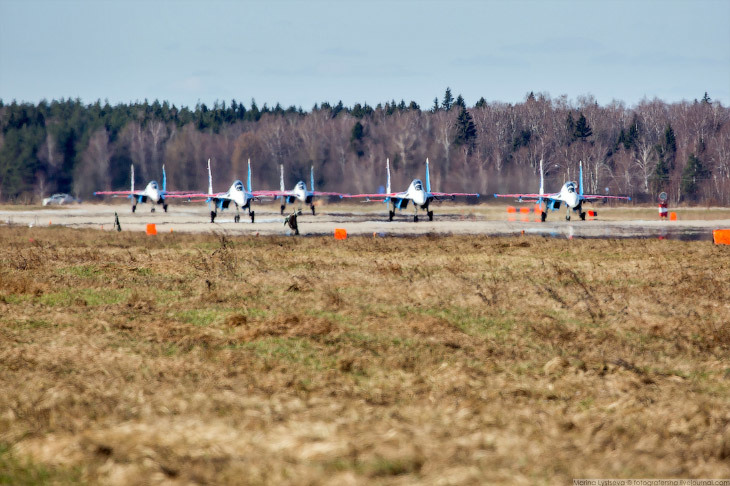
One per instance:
[(64, 145)]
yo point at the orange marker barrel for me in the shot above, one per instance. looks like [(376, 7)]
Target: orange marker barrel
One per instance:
[(721, 236)]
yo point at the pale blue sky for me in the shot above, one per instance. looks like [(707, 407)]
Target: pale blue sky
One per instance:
[(302, 52)]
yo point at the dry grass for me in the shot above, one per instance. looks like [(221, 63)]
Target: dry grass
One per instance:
[(178, 359)]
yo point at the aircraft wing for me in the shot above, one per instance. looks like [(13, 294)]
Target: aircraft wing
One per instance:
[(529, 197), (118, 193), (451, 195), (375, 196), (273, 193), (318, 193), (596, 197), (198, 195)]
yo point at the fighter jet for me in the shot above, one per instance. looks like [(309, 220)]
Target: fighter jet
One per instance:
[(572, 197), (299, 193), (152, 193), (415, 193), (237, 194)]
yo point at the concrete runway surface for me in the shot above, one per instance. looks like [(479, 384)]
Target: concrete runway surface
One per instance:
[(372, 219)]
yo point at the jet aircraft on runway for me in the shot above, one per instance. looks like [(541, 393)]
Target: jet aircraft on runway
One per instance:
[(299, 193), (237, 194), (568, 195), (415, 193), (152, 193)]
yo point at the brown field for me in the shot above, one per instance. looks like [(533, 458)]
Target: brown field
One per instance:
[(179, 359)]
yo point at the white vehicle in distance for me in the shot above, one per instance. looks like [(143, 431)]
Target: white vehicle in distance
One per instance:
[(60, 198)]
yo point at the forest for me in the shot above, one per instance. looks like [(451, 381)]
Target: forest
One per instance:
[(64, 145)]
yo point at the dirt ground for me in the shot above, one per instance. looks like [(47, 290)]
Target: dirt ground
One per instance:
[(223, 359)]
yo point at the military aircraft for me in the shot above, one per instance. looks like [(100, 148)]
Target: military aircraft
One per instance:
[(415, 193), (299, 193), (237, 194), (572, 197), (152, 193)]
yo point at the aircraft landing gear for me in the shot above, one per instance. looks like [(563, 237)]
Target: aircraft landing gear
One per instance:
[(543, 216), (567, 217), (153, 209), (237, 218), (212, 216), (390, 215), (164, 207), (312, 209), (415, 218), (582, 216), (134, 207), (282, 209), (430, 215), (252, 213)]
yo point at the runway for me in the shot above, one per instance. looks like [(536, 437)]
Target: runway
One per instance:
[(372, 220)]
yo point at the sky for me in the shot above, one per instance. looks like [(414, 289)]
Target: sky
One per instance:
[(309, 51)]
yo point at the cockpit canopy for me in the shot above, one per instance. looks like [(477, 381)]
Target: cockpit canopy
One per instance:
[(301, 185), (238, 185), (417, 184), (570, 186), (154, 185)]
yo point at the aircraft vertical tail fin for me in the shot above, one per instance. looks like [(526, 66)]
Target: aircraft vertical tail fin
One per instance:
[(428, 178), (311, 179), (210, 179), (542, 183), (249, 175), (580, 180), (387, 170), (281, 178), (164, 179), (132, 188)]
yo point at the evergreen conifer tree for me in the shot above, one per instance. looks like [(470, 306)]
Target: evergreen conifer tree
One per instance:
[(356, 136), (693, 172), (582, 128), (466, 130), (667, 149), (633, 134), (460, 102), (670, 141), (570, 125), (448, 100)]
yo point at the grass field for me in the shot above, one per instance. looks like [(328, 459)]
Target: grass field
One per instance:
[(178, 359)]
